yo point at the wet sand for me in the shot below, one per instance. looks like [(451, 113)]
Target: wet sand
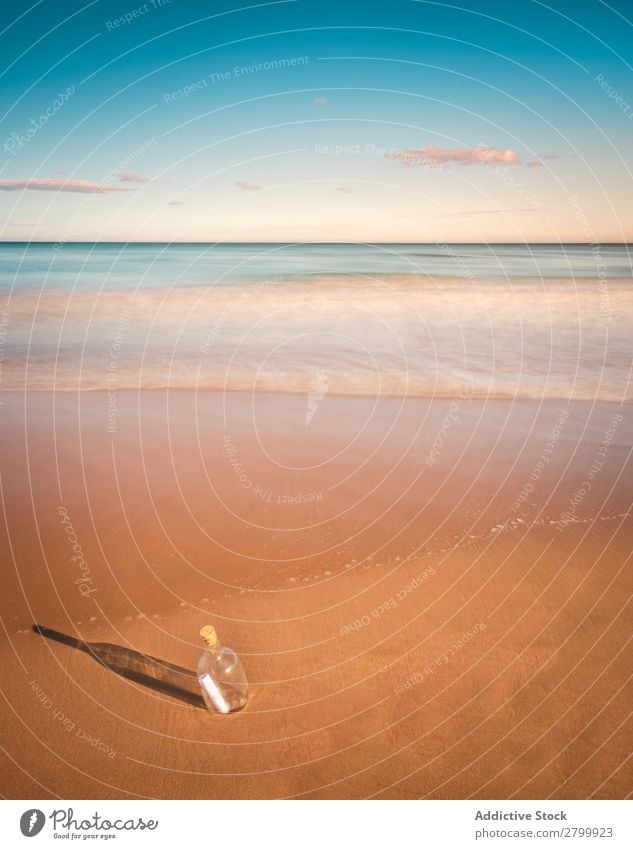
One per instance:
[(428, 599)]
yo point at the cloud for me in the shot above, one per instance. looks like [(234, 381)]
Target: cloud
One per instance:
[(319, 101), (345, 190), (540, 157), (247, 187), (131, 177), (470, 213), (432, 155), (176, 203), (52, 185)]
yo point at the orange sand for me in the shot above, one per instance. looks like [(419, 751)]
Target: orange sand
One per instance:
[(406, 631)]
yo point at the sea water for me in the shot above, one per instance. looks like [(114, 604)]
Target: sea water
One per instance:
[(511, 321)]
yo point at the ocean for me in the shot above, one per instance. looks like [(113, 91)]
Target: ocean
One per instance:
[(491, 321)]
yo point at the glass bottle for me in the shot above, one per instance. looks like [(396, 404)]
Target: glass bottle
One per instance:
[(221, 676)]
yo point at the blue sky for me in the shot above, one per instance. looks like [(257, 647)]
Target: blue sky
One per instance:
[(304, 121)]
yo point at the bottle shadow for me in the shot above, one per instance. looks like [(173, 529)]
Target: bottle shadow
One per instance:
[(151, 672)]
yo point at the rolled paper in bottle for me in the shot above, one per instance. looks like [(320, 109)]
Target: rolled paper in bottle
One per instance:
[(209, 636)]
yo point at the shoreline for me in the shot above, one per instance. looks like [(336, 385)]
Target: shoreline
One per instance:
[(281, 393)]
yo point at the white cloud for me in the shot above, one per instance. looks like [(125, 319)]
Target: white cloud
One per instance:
[(53, 185), (480, 155), (131, 177), (540, 158)]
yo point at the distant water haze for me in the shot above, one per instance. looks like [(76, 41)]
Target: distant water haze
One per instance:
[(515, 321)]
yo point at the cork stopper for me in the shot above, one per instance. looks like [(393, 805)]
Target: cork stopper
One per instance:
[(209, 636)]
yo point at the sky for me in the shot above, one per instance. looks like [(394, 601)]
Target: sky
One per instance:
[(302, 121)]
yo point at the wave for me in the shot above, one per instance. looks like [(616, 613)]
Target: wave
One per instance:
[(340, 334)]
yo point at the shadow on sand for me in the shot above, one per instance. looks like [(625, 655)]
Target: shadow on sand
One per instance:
[(174, 681)]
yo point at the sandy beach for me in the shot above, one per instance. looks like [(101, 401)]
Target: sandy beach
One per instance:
[(316, 345), (431, 599)]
